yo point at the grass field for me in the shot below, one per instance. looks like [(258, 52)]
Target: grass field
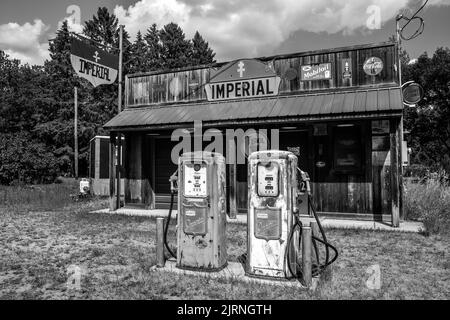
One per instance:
[(41, 240)]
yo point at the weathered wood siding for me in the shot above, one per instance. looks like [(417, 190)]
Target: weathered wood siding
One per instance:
[(159, 88), (188, 85)]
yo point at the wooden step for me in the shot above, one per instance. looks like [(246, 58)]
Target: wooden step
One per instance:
[(165, 198), (163, 201), (165, 205)]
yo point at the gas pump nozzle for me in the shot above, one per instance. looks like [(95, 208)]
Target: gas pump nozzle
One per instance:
[(305, 179), (174, 182)]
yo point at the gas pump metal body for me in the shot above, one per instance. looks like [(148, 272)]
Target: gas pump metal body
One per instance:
[(201, 215), (272, 204)]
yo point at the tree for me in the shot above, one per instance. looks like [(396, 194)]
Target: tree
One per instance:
[(201, 52), (176, 50), (55, 127), (429, 123), (10, 85), (154, 49), (102, 28), (26, 160), (139, 50), (37, 102)]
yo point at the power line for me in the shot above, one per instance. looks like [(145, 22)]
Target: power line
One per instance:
[(419, 30)]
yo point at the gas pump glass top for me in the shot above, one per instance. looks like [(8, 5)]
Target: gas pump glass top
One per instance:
[(268, 176), (195, 180)]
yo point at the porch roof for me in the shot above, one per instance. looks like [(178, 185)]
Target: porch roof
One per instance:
[(355, 104)]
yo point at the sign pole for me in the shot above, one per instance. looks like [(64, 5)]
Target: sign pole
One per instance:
[(75, 132), (119, 107)]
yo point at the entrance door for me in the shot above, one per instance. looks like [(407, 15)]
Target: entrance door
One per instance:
[(164, 167), (297, 143)]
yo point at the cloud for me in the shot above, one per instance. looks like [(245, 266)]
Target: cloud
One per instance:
[(236, 28), (23, 41), (141, 15)]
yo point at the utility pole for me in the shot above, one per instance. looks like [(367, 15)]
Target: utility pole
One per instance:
[(75, 132), (400, 126), (120, 67), (399, 50), (119, 107)]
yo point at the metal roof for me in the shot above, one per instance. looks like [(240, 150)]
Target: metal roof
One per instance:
[(332, 105)]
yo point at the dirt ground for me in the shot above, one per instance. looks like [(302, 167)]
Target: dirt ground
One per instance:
[(53, 248), (69, 253)]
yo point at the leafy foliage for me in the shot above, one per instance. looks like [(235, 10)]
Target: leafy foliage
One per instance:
[(36, 102), (25, 160), (429, 123), (176, 50), (201, 52), (154, 49)]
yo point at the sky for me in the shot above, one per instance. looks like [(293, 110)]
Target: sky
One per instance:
[(234, 28)]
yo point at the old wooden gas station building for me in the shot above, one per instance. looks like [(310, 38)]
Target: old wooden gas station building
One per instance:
[(340, 110)]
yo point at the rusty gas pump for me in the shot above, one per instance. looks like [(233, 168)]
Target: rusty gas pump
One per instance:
[(201, 219), (280, 212)]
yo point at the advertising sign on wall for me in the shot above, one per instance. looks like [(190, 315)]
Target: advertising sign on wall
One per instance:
[(412, 93), (316, 72), (346, 65), (373, 66), (243, 79)]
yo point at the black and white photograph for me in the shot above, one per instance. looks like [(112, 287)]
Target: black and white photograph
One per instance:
[(225, 155)]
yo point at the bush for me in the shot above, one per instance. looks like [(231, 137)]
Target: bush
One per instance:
[(417, 171), (429, 202), (26, 161)]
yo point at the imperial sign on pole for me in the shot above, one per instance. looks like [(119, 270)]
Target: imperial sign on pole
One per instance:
[(97, 66)]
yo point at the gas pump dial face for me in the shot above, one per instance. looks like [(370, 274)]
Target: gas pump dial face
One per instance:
[(195, 179), (268, 179)]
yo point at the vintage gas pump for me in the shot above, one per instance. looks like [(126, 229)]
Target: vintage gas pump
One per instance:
[(201, 222), (272, 204), (278, 216)]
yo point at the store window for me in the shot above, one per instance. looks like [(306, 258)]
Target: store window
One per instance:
[(348, 149)]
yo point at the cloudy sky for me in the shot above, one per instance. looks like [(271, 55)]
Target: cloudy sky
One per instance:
[(234, 28)]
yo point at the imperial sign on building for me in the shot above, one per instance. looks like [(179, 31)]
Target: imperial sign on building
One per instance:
[(243, 79), (97, 66)]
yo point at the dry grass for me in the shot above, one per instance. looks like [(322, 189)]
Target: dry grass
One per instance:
[(115, 254), (429, 201), (38, 197)]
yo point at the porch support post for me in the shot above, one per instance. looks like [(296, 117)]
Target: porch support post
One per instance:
[(112, 172), (118, 169), (232, 181), (395, 173), (400, 168)]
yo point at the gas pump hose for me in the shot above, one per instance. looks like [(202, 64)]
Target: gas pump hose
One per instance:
[(166, 228), (318, 268)]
